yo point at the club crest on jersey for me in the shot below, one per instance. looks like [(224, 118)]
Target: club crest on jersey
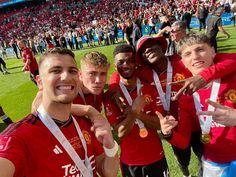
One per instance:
[(87, 136), (178, 77), (231, 95), (148, 99)]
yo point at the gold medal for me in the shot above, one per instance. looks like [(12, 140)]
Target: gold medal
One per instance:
[(205, 138), (143, 133)]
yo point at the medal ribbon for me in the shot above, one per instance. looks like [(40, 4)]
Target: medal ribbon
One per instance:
[(206, 121), (81, 94), (130, 101), (85, 169), (165, 97)]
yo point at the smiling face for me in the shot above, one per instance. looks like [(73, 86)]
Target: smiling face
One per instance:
[(58, 78), (152, 53), (197, 57), (125, 64)]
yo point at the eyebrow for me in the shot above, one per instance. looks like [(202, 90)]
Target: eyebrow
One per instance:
[(59, 67)]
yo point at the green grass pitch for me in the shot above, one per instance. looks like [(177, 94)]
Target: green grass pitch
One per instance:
[(17, 91)]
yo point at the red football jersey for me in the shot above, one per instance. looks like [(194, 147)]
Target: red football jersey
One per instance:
[(134, 149), (221, 148), (36, 152), (27, 54)]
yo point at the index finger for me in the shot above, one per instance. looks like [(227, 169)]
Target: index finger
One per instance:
[(180, 82), (206, 113), (159, 115), (179, 93), (215, 104)]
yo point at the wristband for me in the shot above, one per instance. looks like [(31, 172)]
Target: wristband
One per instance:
[(4, 117), (167, 136), (111, 152)]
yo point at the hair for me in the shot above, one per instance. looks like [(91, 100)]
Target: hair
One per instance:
[(55, 51), (124, 48), (180, 25), (24, 41), (128, 19), (96, 59), (191, 39)]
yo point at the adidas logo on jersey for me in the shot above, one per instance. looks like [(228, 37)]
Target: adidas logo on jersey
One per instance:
[(57, 150)]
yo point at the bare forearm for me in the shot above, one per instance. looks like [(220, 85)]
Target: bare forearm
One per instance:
[(84, 110), (149, 121), (125, 127), (7, 168), (110, 166)]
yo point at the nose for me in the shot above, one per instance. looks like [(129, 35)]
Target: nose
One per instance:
[(98, 79), (64, 75), (195, 55)]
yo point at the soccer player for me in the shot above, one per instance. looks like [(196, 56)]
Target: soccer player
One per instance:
[(93, 72), (159, 70), (136, 125), (219, 141), (54, 143), (29, 60)]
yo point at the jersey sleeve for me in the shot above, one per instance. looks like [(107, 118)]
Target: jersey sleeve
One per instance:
[(182, 133), (13, 149), (225, 64), (112, 111), (114, 80)]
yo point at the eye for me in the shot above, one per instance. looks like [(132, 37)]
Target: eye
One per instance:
[(91, 74), (55, 71), (187, 54), (200, 49), (120, 62), (73, 71)]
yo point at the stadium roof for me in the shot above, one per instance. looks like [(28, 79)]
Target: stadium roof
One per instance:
[(4, 3)]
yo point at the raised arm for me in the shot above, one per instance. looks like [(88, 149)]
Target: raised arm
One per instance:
[(225, 64), (108, 163)]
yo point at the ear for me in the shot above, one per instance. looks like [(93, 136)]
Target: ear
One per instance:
[(39, 82), (213, 52), (115, 66), (80, 74)]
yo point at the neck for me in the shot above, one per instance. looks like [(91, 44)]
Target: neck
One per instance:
[(129, 83), (161, 66), (58, 111), (85, 91)]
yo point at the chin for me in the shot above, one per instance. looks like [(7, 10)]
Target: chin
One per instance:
[(96, 92), (66, 99)]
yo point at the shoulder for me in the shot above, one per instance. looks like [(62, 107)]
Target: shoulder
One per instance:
[(22, 126), (83, 122)]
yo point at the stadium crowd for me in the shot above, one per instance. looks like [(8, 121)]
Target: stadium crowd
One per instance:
[(182, 70), (68, 23)]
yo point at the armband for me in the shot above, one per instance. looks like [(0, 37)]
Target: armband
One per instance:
[(111, 152)]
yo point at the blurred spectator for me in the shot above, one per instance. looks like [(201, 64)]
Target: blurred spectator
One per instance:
[(214, 25), (3, 68), (15, 48)]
